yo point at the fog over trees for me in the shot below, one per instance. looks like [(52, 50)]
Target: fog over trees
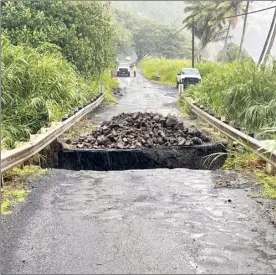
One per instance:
[(172, 13)]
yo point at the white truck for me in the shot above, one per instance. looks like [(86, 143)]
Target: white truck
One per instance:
[(188, 76)]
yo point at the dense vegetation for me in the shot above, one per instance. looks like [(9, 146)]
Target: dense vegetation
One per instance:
[(55, 53), (54, 56), (237, 88), (231, 52), (81, 30), (241, 91)]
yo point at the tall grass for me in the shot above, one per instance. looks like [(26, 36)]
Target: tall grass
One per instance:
[(37, 88), (242, 92), (168, 68)]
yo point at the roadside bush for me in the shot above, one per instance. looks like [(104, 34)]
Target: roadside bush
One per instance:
[(242, 92), (231, 53), (82, 30), (38, 88)]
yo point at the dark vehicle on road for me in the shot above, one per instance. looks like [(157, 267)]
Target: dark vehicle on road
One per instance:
[(188, 76), (123, 69)]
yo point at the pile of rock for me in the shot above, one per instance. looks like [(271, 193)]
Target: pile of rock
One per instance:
[(136, 130)]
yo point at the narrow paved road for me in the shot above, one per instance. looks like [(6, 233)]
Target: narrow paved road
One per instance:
[(142, 221), (141, 95)]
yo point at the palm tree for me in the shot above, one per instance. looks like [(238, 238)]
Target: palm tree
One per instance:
[(272, 39), (267, 38), (244, 28), (206, 29), (228, 9)]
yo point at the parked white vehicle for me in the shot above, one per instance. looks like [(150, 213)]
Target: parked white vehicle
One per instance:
[(188, 76), (128, 58)]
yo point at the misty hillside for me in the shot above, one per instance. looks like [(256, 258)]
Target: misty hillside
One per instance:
[(172, 12), (165, 12)]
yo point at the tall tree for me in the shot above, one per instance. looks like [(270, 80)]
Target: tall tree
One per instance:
[(82, 30), (267, 38), (228, 9), (271, 43), (231, 53), (244, 28), (150, 38), (207, 28)]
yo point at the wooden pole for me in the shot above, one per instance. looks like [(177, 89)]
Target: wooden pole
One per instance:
[(193, 44)]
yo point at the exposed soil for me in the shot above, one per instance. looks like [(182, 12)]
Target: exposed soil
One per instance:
[(135, 130)]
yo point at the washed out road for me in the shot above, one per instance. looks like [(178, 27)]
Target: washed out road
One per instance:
[(143, 221)]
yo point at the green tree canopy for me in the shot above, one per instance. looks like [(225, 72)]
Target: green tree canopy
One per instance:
[(152, 39), (230, 53), (82, 30), (202, 15)]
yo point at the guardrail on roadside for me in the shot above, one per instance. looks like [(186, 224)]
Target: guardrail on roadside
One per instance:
[(234, 135), (15, 157)]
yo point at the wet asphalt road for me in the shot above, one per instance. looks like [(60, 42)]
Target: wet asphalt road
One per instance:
[(142, 221), (141, 95)]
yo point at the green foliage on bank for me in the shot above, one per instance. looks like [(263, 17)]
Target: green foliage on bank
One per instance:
[(231, 53), (54, 56), (81, 30), (242, 92), (38, 88)]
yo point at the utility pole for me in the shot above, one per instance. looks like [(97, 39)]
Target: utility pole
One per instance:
[(193, 43), (108, 3)]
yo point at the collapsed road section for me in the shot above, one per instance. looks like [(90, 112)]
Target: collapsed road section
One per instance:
[(143, 141)]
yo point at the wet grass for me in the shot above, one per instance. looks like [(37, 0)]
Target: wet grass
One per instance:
[(244, 161), (248, 161), (81, 128), (167, 69), (11, 196), (183, 108), (14, 189), (269, 184)]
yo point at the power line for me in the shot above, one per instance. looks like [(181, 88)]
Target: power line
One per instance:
[(251, 12), (228, 17)]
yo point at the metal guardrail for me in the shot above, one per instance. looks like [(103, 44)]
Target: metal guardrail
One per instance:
[(15, 157), (235, 135)]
